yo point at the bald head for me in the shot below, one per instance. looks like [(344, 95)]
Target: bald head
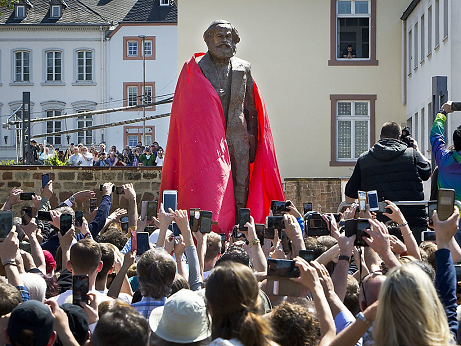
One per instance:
[(369, 289)]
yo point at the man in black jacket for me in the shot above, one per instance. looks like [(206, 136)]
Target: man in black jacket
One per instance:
[(397, 172)]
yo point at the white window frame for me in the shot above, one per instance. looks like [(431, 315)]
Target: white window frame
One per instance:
[(437, 24), (82, 123), (352, 15), (410, 51), (146, 51), (132, 100), (53, 9), (429, 31), (352, 118), (23, 10), (415, 41), (93, 62), (423, 37), (445, 19), (129, 52), (148, 94), (52, 139), (164, 2), (54, 66), (22, 73)]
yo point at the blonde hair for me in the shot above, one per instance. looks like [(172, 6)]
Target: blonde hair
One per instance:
[(409, 310)]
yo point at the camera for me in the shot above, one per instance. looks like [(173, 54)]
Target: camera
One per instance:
[(357, 227), (406, 138), (315, 224)]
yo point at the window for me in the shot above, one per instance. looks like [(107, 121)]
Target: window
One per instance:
[(53, 66), (134, 134), (429, 30), (410, 51), (445, 19), (353, 129), (53, 126), (84, 66), (55, 11), (148, 48), (422, 142), (437, 24), (416, 128), (132, 48), (20, 11), (415, 60), (22, 66), (164, 2), (85, 136), (132, 94), (423, 34), (353, 32)]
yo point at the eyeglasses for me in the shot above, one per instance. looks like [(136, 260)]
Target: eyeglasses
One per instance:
[(372, 275)]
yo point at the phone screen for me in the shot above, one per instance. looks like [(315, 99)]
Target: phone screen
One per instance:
[(93, 204), (205, 223), (269, 233), (78, 218), (307, 207), (26, 196), (445, 203), (275, 222), (194, 219), (428, 236), (260, 232), (244, 217), (372, 197), (143, 243), (282, 268), (307, 255), (45, 179), (26, 215), (431, 206), (170, 200), (80, 288), (119, 190), (151, 209), (65, 223), (362, 200), (44, 216), (278, 207), (6, 223)]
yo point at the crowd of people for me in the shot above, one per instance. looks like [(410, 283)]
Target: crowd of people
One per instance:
[(84, 156), (309, 279)]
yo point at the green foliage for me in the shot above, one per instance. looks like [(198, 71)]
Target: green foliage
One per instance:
[(9, 162), (7, 4), (54, 161)]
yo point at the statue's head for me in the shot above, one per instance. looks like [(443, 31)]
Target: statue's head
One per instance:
[(221, 38)]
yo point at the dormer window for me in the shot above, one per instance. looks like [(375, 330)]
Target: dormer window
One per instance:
[(55, 11), (20, 11), (164, 2)]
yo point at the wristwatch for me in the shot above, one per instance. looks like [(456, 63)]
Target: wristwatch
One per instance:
[(72, 199), (344, 258), (361, 316), (443, 111)]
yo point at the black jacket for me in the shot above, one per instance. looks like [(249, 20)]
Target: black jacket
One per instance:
[(396, 172)]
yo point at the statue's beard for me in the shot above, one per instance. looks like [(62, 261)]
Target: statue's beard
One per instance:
[(222, 51)]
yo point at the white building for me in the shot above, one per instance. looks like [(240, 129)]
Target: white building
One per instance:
[(69, 56), (430, 64)]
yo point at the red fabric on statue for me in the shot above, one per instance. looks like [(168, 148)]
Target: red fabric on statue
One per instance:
[(197, 162)]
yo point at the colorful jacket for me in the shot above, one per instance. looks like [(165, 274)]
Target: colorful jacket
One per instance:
[(449, 161)]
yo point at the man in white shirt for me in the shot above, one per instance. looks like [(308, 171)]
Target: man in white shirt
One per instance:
[(87, 157), (75, 159), (159, 159)]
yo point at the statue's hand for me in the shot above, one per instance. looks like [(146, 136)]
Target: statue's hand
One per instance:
[(253, 145)]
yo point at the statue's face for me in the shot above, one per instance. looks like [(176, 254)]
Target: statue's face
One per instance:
[(220, 44)]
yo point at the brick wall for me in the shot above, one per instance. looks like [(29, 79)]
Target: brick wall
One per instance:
[(324, 193), (67, 180)]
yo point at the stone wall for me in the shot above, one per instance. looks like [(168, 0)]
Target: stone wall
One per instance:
[(68, 180), (324, 193)]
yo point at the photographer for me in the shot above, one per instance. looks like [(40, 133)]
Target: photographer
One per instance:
[(397, 172), (448, 161)]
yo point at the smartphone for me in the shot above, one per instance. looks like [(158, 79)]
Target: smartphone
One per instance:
[(275, 222), (286, 243), (456, 106), (431, 206), (78, 218), (362, 200), (428, 236), (6, 223), (269, 233), (372, 198), (175, 229), (194, 219), (134, 241), (44, 216), (144, 206), (280, 286), (170, 200), (93, 204), (307, 207), (124, 223), (205, 223), (383, 208), (282, 268), (307, 255), (65, 223), (151, 209), (45, 179), (26, 196), (80, 288), (458, 277), (244, 217), (119, 190), (278, 207), (358, 227), (445, 203), (26, 215), (260, 230), (142, 243)]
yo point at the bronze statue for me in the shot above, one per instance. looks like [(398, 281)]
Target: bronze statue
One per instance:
[(231, 78)]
